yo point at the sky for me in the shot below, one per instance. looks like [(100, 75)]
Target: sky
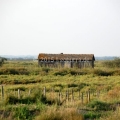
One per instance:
[(30, 27)]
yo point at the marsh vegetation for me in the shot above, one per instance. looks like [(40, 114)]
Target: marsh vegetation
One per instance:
[(30, 80)]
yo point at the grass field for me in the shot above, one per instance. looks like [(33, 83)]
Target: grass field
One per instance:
[(28, 79)]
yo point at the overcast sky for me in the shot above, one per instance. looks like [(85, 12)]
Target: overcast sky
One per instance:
[(30, 27)]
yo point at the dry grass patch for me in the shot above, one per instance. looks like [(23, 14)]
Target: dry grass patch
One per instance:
[(54, 113)]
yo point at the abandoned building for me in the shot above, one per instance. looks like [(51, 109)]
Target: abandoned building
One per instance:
[(66, 60)]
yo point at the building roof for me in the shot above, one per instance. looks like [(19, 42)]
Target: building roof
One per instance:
[(61, 56)]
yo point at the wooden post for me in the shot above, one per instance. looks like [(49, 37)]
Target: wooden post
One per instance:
[(72, 98), (79, 95), (18, 93), (98, 93), (67, 95), (14, 92), (88, 95), (59, 98), (2, 92), (29, 92), (44, 92), (93, 93), (82, 97)]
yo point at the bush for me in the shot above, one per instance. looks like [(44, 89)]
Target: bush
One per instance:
[(92, 115), (74, 72), (22, 113), (62, 72), (102, 73), (99, 105), (71, 72), (13, 71)]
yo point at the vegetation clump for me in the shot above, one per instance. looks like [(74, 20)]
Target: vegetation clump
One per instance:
[(113, 63), (100, 106), (100, 72)]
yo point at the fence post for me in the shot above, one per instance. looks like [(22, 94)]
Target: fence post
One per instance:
[(29, 92), (79, 94), (2, 92), (59, 97), (14, 92), (72, 95), (93, 93), (18, 93), (98, 93), (44, 92), (88, 95), (82, 97), (67, 95)]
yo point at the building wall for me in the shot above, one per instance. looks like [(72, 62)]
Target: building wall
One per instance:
[(67, 64)]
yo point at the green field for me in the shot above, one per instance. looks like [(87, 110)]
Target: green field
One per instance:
[(33, 93)]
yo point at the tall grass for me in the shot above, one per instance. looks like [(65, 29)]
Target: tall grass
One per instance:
[(26, 75), (54, 113)]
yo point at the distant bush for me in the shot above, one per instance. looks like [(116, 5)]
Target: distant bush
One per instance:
[(61, 72), (71, 72), (100, 72), (113, 63), (76, 72), (14, 71)]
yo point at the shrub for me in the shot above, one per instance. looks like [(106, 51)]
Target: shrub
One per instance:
[(22, 113), (92, 115), (102, 73), (74, 72), (99, 105), (13, 71), (62, 72)]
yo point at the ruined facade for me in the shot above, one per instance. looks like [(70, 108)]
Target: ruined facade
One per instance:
[(66, 60)]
